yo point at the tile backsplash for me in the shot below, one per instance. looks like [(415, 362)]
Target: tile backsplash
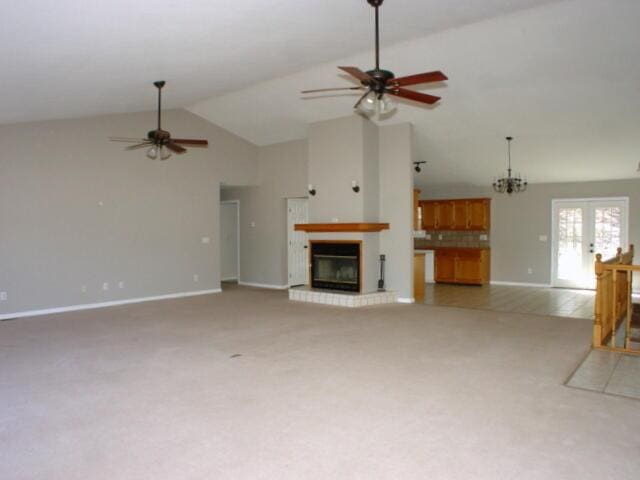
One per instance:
[(462, 239)]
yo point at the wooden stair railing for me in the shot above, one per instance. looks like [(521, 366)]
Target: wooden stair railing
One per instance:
[(613, 305)]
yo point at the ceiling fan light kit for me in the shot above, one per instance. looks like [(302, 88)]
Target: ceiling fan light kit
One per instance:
[(159, 141), (378, 84), (509, 184)]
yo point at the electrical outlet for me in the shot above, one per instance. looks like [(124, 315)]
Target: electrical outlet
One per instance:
[(120, 284), (105, 286), (542, 238), (428, 236), (206, 240), (253, 224), (484, 237), (3, 296), (83, 289), (530, 270), (440, 237), (196, 277)]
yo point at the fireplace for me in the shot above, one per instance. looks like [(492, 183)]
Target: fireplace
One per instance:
[(336, 265)]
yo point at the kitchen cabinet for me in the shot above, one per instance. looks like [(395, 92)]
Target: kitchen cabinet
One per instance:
[(478, 214), (417, 210), (458, 214), (463, 265), (428, 215), (445, 266)]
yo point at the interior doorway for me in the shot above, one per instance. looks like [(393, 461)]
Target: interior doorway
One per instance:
[(581, 229), (297, 242), (230, 240)]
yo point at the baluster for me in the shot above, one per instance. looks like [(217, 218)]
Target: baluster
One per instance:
[(597, 321), (627, 333), (614, 319)]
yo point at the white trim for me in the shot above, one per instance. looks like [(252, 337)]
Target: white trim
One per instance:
[(237, 203), (521, 284), (229, 279), (89, 306), (406, 300), (263, 285)]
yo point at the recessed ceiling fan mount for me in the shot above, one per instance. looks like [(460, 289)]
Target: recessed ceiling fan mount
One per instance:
[(378, 83), (159, 141)]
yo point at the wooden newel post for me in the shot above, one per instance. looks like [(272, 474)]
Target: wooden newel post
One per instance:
[(597, 322)]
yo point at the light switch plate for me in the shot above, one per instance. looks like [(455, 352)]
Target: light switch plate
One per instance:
[(542, 238), (206, 240), (484, 237)]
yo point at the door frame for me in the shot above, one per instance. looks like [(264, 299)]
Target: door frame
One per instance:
[(237, 204), (554, 233)]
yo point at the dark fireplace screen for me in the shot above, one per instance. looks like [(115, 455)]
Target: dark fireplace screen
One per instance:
[(335, 266)]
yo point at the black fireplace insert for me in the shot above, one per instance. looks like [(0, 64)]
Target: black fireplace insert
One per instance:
[(335, 266)]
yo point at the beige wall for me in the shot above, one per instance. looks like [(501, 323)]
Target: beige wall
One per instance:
[(396, 206), (518, 220), (336, 153), (282, 172), (77, 210)]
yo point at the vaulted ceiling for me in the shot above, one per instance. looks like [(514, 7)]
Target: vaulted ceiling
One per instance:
[(562, 77)]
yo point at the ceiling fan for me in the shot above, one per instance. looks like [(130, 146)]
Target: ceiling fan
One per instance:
[(159, 141), (379, 83)]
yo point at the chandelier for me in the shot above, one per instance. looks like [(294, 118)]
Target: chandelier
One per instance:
[(509, 184)]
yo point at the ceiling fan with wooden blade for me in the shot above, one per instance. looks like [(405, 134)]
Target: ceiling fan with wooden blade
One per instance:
[(378, 83), (159, 141)]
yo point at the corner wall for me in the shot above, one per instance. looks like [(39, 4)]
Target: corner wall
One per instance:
[(396, 206), (77, 210), (282, 174)]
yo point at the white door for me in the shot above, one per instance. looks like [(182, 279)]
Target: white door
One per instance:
[(297, 212), (229, 240), (581, 229)]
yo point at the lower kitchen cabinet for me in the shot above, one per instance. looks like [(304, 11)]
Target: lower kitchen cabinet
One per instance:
[(463, 265)]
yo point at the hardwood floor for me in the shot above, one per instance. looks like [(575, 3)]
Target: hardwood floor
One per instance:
[(505, 298)]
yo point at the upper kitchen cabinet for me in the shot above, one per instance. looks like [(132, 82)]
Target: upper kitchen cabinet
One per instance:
[(479, 214), (459, 214), (437, 215)]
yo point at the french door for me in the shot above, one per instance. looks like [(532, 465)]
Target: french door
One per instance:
[(581, 229)]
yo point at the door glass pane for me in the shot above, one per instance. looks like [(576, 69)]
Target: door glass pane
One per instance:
[(608, 231), (570, 243)]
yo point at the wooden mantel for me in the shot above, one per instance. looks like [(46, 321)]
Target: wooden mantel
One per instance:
[(341, 227)]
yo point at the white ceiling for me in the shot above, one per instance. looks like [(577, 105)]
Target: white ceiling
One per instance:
[(562, 77)]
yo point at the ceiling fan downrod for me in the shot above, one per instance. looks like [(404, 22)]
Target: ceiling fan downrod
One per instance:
[(159, 84), (376, 4)]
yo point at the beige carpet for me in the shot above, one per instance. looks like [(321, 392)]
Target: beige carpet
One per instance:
[(153, 391)]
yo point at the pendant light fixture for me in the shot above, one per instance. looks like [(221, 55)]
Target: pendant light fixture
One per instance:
[(509, 184)]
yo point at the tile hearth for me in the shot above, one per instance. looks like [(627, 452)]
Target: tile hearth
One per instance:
[(341, 299)]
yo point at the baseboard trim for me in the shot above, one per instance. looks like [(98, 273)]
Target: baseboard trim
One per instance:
[(90, 306), (263, 285), (406, 300), (229, 279), (522, 284)]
